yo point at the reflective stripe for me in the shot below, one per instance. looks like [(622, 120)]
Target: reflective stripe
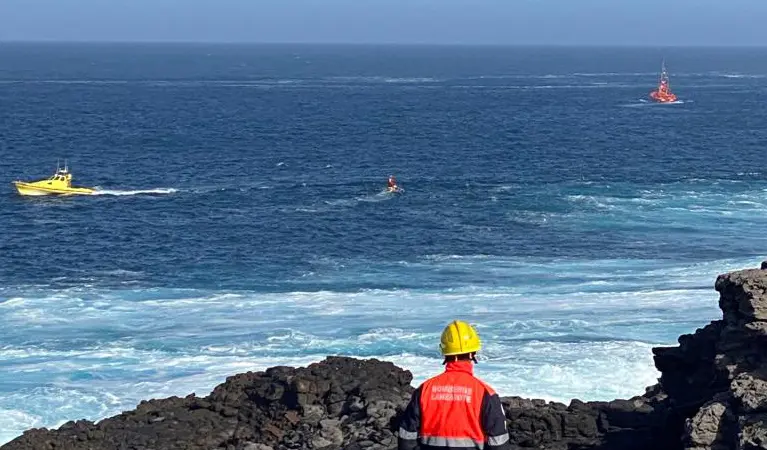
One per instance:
[(409, 435), (498, 440), (439, 441)]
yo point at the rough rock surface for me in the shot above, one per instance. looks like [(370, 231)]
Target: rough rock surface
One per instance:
[(712, 395), (716, 379), (338, 403)]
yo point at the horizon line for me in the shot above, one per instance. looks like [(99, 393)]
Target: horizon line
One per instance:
[(379, 44)]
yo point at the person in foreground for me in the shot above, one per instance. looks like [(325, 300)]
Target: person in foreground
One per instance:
[(455, 409)]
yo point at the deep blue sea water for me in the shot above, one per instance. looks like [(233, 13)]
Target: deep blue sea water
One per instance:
[(243, 224)]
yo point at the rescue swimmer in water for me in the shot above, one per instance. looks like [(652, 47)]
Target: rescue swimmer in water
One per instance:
[(392, 185), (455, 409)]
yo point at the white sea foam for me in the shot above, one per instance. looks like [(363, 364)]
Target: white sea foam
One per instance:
[(675, 202), (553, 329), (382, 79), (157, 191), (14, 422), (738, 75)]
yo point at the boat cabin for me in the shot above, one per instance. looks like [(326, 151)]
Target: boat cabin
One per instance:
[(62, 176)]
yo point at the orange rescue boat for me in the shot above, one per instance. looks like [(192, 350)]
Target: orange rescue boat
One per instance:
[(663, 94)]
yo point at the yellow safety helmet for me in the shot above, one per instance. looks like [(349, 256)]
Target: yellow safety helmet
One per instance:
[(458, 338)]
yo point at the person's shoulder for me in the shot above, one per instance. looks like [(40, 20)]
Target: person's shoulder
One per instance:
[(432, 379), (488, 389)]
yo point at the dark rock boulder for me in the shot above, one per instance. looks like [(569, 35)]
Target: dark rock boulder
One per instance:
[(716, 379), (625, 424)]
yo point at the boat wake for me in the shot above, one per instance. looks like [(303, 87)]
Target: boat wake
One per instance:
[(157, 191), (675, 102), (380, 196), (644, 103)]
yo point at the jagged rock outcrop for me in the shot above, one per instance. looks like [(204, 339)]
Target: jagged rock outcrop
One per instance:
[(712, 395), (716, 380)]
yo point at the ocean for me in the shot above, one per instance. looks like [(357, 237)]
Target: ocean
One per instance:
[(242, 221)]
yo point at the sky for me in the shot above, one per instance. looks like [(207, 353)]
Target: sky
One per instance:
[(467, 22)]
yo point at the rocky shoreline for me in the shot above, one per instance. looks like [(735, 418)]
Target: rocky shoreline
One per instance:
[(712, 394)]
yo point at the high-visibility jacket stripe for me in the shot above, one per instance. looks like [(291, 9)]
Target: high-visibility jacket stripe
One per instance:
[(498, 440), (439, 441), (409, 435)]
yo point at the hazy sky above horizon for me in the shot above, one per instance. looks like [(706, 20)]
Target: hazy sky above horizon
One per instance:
[(586, 22)]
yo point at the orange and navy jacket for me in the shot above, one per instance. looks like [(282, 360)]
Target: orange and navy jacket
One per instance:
[(454, 410)]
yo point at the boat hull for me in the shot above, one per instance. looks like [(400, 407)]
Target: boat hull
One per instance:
[(34, 190), (668, 98)]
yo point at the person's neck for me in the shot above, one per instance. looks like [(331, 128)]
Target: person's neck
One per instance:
[(460, 366)]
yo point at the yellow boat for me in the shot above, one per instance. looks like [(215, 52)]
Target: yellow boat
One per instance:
[(58, 184)]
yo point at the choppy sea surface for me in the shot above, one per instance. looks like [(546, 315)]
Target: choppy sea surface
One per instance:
[(242, 221)]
